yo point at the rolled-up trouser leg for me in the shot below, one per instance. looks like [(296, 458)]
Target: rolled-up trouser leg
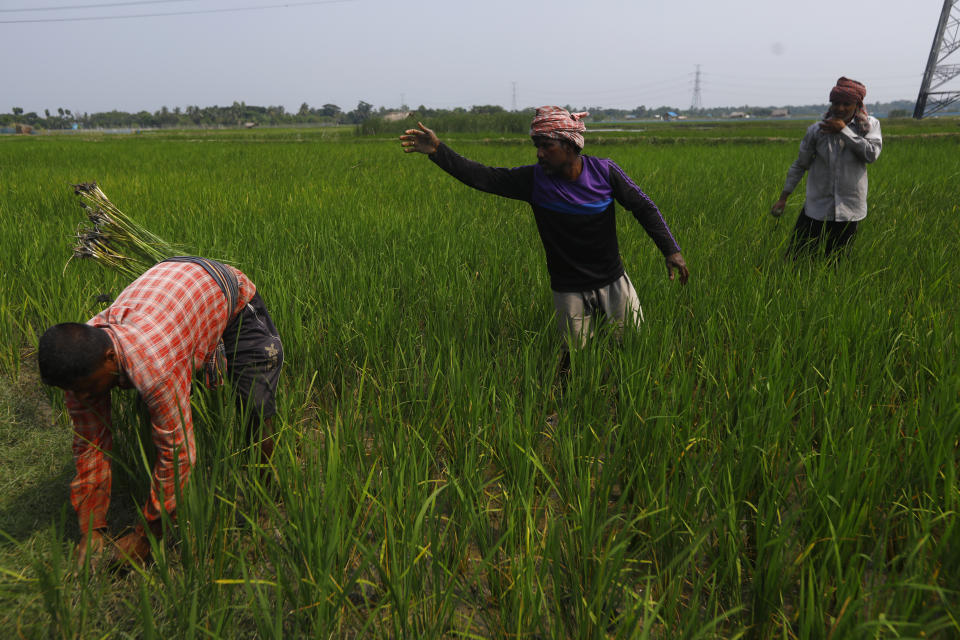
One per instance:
[(578, 311), (621, 304)]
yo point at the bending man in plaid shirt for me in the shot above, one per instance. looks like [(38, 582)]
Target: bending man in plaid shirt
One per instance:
[(167, 324)]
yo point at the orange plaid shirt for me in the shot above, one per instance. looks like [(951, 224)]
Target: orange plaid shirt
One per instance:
[(163, 327)]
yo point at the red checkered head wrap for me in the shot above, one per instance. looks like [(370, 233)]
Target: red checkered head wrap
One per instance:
[(560, 124), (847, 90)]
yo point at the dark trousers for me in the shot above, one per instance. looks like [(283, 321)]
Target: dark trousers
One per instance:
[(254, 358), (809, 234)]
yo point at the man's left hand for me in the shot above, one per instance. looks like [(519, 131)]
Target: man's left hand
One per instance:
[(675, 261), (133, 548)]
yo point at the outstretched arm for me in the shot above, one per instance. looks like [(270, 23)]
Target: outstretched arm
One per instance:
[(421, 140), (510, 183)]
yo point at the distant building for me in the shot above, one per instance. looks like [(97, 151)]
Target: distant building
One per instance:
[(249, 125), (779, 113), (395, 116), (738, 114)]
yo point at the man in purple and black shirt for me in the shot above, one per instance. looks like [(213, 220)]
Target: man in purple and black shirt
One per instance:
[(572, 197)]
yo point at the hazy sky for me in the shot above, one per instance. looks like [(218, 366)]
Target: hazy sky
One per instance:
[(449, 53)]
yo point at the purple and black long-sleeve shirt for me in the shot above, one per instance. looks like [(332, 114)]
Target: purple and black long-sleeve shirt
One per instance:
[(575, 219)]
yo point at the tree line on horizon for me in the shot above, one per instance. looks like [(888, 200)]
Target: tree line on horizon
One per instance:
[(494, 116)]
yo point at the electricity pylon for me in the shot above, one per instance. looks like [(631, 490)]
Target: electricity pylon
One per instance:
[(945, 42), (695, 103)]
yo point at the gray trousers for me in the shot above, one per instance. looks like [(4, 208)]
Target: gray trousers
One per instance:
[(578, 312)]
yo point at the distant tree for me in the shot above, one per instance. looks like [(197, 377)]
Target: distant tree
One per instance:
[(898, 113), (17, 111), (330, 110), (486, 108), (144, 119), (304, 110), (361, 113)]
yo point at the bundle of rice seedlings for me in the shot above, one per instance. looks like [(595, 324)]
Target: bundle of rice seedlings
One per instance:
[(116, 240)]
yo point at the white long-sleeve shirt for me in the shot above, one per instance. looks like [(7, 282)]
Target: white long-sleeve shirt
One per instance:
[(837, 166)]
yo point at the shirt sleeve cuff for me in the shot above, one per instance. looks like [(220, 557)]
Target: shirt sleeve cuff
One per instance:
[(849, 133)]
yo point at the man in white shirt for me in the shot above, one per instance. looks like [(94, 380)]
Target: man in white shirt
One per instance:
[(835, 152)]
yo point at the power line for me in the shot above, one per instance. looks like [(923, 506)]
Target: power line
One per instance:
[(181, 13), (88, 6)]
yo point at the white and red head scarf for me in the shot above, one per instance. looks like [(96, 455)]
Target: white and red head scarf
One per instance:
[(560, 124), (847, 90)]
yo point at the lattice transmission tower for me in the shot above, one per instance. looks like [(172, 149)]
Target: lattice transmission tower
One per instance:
[(695, 103), (938, 72)]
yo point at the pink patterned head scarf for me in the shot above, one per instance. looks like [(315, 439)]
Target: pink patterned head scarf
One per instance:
[(847, 90), (560, 124)]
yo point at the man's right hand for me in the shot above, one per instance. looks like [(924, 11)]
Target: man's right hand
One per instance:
[(90, 545), (832, 125), (777, 209), (421, 140)]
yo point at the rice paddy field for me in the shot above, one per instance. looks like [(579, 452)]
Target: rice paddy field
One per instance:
[(774, 455)]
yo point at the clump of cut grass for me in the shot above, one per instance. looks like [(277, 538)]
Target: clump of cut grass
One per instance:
[(116, 240)]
